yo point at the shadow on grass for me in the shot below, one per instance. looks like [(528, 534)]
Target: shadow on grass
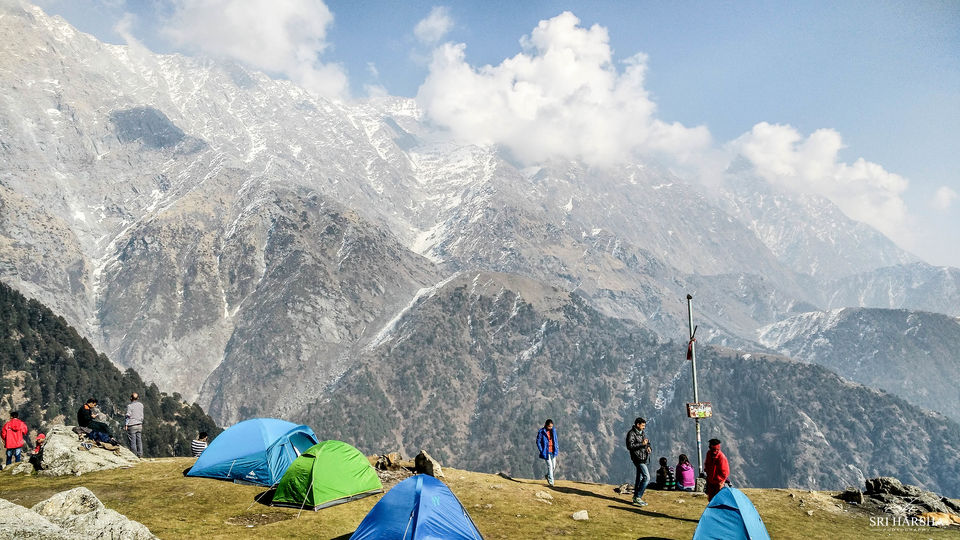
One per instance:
[(265, 497), (648, 513), (585, 493), (344, 536)]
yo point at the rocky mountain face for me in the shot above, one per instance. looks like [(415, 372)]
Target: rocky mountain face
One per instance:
[(473, 368), (255, 247), (909, 353)]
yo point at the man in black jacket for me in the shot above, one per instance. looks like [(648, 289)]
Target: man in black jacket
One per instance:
[(88, 417), (639, 447)]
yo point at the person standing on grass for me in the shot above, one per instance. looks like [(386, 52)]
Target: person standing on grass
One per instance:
[(547, 445), (639, 447), (717, 469), (134, 424), (12, 434)]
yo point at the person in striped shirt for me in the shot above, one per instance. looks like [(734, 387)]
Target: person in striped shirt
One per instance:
[(198, 445)]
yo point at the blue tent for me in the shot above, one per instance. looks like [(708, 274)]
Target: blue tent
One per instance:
[(419, 508), (730, 516), (256, 451)]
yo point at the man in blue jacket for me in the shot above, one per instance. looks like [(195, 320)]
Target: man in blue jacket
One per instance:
[(547, 444)]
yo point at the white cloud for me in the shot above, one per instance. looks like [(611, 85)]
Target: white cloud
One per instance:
[(562, 97), (285, 38), (435, 26), (375, 90), (863, 190), (943, 198)]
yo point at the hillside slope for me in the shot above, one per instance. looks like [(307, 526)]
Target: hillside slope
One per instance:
[(47, 372), (497, 354), (909, 353)]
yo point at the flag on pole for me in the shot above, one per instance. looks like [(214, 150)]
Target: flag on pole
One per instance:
[(690, 349)]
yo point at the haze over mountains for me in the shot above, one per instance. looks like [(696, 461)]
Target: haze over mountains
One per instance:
[(269, 252)]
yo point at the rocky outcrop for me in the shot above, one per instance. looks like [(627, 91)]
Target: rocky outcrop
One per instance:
[(63, 455), (19, 523), (80, 513), (76, 513), (892, 496), (424, 464)]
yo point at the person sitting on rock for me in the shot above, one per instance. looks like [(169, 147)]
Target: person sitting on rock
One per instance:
[(665, 479), (12, 434), (686, 476), (89, 417), (36, 455), (198, 445)]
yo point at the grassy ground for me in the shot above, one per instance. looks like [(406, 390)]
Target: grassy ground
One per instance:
[(156, 494)]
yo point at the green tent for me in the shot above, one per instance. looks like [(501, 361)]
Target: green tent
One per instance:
[(328, 473)]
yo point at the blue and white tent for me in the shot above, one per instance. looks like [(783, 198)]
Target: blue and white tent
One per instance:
[(256, 451), (730, 516), (419, 508)]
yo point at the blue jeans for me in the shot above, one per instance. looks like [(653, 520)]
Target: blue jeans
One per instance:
[(551, 463), (643, 478), (11, 452)]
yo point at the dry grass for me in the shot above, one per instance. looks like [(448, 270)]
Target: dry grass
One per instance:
[(173, 506)]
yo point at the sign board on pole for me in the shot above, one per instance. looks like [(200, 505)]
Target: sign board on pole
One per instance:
[(702, 409)]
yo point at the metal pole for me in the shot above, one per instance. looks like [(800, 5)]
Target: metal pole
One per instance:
[(696, 392)]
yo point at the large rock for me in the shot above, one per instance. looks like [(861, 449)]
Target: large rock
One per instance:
[(424, 464), (899, 499), (74, 502), (82, 515), (19, 523), (63, 455)]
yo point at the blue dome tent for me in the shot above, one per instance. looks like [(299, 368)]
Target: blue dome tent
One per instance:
[(730, 516), (419, 508), (256, 451)]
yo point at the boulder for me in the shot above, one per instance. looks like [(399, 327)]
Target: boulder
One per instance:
[(389, 462), (580, 515), (81, 514), (424, 464), (900, 499), (701, 485), (954, 507), (543, 495), (63, 455), (851, 495), (74, 502), (19, 523), (24, 467)]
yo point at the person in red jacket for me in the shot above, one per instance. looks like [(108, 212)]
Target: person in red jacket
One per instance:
[(716, 468), (12, 434)]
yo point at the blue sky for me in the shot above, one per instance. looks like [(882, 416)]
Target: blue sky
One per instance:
[(884, 76)]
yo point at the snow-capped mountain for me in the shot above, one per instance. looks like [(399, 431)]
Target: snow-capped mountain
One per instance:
[(910, 353), (215, 228)]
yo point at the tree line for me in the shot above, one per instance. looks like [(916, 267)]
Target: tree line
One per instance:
[(47, 372)]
